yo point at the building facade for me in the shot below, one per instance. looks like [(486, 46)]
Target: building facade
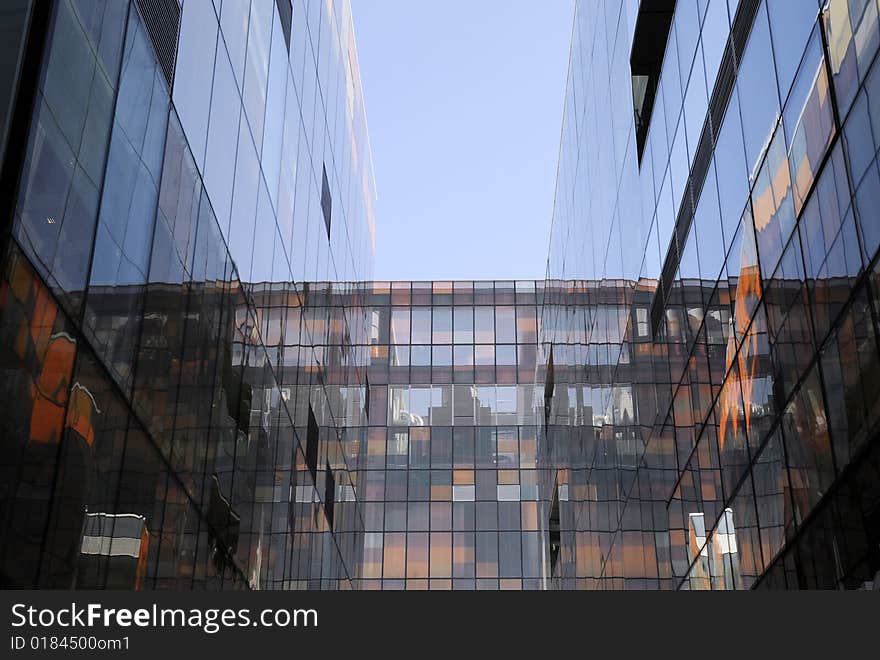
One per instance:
[(204, 389), (163, 163), (718, 167), (444, 437)]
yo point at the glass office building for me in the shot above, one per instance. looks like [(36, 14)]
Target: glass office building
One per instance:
[(204, 389), (718, 170), (443, 438), (161, 164)]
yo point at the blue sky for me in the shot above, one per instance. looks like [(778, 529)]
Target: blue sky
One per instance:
[(464, 105)]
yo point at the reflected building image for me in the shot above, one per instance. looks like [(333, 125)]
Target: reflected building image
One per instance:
[(718, 171), (444, 437), (162, 161), (204, 388)]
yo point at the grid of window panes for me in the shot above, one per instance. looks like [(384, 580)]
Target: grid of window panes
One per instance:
[(444, 444), (151, 410), (756, 460), (199, 396), (269, 125)]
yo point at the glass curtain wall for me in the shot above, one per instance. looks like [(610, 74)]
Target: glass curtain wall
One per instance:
[(442, 437), (155, 442), (751, 311)]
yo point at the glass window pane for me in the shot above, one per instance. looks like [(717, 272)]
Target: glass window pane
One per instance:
[(421, 325), (464, 325), (772, 206), (808, 121), (484, 325), (505, 325), (400, 325), (442, 325), (758, 93), (195, 58)]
